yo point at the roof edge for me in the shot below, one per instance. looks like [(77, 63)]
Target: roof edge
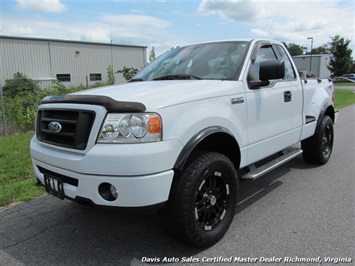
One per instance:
[(67, 41)]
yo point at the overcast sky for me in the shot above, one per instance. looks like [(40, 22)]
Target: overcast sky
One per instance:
[(166, 24)]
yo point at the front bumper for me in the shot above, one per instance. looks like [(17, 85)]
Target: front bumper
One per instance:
[(142, 173), (133, 191)]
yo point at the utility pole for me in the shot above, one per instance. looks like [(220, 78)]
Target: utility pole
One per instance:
[(310, 63), (111, 47)]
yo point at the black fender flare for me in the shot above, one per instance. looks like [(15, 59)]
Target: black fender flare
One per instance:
[(323, 111), (194, 141)]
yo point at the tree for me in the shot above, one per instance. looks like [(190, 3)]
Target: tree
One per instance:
[(341, 62), (152, 55), (19, 84), (352, 69), (320, 50), (128, 72), (295, 49), (110, 75)]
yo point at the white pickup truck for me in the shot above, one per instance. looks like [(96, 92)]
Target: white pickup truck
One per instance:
[(182, 133)]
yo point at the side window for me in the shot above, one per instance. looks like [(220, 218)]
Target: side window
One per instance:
[(265, 53), (289, 71)]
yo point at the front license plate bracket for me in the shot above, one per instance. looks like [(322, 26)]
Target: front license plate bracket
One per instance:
[(54, 186)]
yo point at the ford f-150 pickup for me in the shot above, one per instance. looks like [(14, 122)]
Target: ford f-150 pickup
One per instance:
[(183, 132)]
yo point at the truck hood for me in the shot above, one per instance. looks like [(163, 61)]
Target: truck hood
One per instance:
[(160, 94)]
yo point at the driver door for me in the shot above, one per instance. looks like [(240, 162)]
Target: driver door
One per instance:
[(269, 110)]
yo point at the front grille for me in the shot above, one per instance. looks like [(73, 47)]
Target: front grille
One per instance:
[(75, 127)]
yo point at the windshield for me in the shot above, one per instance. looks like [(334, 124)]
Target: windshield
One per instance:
[(220, 60)]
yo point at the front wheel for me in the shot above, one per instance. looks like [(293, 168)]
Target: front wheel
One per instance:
[(202, 200), (318, 148)]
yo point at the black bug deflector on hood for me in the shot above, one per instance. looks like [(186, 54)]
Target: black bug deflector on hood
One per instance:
[(110, 104)]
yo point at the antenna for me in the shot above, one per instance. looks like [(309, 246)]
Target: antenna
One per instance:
[(111, 47), (110, 34)]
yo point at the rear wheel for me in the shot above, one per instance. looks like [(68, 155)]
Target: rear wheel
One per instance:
[(318, 148), (202, 200)]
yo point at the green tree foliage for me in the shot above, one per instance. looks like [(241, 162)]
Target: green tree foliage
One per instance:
[(152, 55), (19, 84), (21, 97), (320, 50), (341, 62), (352, 69), (110, 75), (128, 72), (295, 49), (21, 111)]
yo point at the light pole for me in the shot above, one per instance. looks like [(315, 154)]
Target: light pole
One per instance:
[(310, 63)]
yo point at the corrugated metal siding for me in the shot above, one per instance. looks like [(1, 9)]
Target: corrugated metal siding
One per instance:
[(128, 57), (47, 58), (28, 57), (319, 64)]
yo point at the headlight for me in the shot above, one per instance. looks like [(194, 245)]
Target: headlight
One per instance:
[(138, 126), (131, 128)]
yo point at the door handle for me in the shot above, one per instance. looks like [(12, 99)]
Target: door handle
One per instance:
[(287, 96), (237, 100)]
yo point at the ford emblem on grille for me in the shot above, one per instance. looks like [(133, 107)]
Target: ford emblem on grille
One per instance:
[(54, 127)]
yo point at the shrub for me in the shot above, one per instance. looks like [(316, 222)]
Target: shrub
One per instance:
[(21, 97), (128, 72), (21, 111), (18, 85)]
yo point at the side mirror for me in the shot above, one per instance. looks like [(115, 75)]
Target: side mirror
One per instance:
[(269, 70)]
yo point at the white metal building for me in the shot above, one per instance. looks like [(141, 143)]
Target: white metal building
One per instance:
[(315, 64), (71, 62)]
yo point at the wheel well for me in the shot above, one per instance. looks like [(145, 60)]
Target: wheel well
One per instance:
[(214, 139), (330, 112), (222, 143)]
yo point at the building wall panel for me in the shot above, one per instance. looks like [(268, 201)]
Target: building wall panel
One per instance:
[(43, 59), (319, 64), (28, 57)]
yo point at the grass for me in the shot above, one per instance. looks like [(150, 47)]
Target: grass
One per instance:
[(16, 174), (344, 98), (17, 181)]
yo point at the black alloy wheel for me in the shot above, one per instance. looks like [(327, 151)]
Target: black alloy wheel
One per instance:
[(318, 148), (202, 200)]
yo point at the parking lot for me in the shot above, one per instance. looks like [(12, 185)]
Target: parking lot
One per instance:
[(297, 213)]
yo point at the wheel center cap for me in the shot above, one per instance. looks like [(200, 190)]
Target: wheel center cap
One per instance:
[(209, 198), (213, 200)]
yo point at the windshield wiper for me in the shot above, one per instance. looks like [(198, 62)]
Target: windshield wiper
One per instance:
[(177, 76), (134, 80)]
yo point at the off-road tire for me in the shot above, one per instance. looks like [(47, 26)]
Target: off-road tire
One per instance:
[(202, 200), (318, 148)]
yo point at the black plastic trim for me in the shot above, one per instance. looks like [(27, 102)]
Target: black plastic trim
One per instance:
[(76, 127), (310, 119), (66, 179), (141, 209), (322, 113), (110, 104), (194, 141)]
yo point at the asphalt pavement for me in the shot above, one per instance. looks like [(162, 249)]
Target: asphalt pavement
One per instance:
[(349, 88), (299, 214)]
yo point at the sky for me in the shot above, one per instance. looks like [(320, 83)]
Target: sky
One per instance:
[(167, 24)]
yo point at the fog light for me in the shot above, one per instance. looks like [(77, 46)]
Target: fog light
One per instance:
[(114, 191), (108, 191)]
